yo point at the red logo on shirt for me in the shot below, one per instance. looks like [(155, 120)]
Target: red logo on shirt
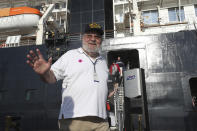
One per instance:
[(80, 60)]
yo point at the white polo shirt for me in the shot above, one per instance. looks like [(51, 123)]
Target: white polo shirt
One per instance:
[(82, 95)]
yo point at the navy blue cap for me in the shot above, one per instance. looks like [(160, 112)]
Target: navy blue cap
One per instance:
[(94, 28)]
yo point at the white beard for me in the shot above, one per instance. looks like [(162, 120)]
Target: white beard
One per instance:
[(95, 50)]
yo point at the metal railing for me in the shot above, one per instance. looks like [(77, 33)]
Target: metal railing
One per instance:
[(108, 34)]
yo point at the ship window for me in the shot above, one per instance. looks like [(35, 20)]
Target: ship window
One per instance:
[(174, 14), (30, 94), (62, 22), (57, 5), (150, 17), (116, 1), (193, 89), (64, 5), (195, 9), (119, 11)]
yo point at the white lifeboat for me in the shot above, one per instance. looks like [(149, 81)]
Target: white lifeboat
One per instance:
[(19, 18)]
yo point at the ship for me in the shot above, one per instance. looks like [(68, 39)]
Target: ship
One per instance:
[(25, 26), (156, 41)]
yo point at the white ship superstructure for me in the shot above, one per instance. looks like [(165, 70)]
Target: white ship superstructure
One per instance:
[(146, 17), (28, 27)]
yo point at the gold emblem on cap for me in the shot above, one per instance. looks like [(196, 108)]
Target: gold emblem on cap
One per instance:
[(94, 25)]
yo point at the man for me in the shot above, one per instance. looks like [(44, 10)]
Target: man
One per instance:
[(114, 71), (84, 88), (122, 68), (120, 63)]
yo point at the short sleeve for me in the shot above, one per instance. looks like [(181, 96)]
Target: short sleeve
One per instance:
[(59, 67)]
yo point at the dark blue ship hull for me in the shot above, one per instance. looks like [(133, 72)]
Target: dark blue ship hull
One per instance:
[(32, 104), (170, 79)]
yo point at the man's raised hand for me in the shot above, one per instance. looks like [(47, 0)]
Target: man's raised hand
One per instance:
[(38, 63)]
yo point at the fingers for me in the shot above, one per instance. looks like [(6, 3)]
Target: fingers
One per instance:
[(50, 60), (39, 54), (32, 58), (29, 63), (29, 57)]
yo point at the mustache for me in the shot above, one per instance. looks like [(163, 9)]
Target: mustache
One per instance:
[(93, 42)]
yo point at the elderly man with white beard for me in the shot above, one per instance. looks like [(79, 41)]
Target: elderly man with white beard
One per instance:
[(84, 89)]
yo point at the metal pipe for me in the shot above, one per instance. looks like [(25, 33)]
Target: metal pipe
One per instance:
[(180, 11), (66, 21), (41, 28)]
